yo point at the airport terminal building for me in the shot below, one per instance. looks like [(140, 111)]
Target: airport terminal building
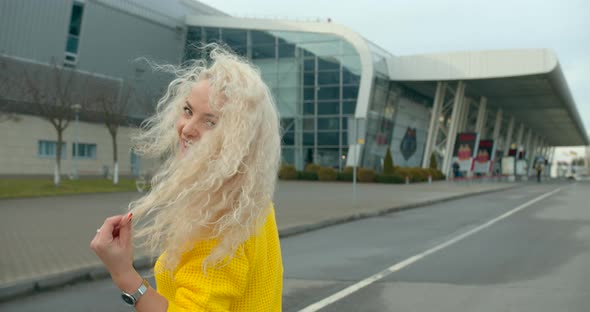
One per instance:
[(342, 99)]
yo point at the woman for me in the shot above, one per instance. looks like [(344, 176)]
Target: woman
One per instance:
[(209, 214)]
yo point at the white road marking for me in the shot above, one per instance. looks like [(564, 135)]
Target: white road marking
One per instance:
[(400, 265)]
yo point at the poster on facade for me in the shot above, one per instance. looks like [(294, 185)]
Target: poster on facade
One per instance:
[(465, 149), (485, 157)]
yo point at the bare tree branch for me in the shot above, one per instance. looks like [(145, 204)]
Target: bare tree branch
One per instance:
[(7, 81), (52, 96), (113, 100)]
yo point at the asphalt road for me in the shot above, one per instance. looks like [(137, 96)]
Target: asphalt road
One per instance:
[(453, 256)]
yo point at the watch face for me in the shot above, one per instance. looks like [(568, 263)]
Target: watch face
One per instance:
[(128, 299)]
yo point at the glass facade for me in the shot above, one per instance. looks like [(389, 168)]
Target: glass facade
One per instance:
[(315, 81)]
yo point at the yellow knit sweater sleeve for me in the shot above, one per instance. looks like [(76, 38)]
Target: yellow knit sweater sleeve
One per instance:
[(190, 289)]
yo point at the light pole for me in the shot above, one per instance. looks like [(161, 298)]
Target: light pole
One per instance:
[(76, 108)]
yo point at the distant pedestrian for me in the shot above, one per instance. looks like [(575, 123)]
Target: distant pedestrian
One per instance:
[(456, 170), (539, 166)]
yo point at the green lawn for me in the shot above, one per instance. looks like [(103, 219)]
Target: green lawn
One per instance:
[(33, 187)]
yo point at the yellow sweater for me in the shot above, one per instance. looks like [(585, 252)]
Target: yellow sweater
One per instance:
[(252, 281)]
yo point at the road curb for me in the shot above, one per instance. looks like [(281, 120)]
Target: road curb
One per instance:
[(97, 272), (300, 229)]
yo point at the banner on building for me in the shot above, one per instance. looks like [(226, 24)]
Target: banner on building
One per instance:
[(465, 149), (485, 157)]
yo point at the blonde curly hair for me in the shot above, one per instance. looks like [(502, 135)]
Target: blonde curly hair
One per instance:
[(221, 189)]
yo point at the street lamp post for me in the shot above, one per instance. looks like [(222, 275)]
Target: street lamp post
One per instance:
[(76, 108)]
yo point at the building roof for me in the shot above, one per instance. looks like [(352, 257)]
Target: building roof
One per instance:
[(527, 84)]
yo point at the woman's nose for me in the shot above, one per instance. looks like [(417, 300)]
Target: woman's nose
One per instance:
[(191, 129)]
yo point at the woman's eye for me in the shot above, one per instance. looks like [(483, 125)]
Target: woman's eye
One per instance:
[(187, 111), (210, 123)]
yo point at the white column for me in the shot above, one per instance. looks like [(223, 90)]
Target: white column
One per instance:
[(480, 124), (465, 105), (533, 154), (497, 125), (527, 144), (542, 149), (439, 99), (519, 135), (509, 136), (453, 128)]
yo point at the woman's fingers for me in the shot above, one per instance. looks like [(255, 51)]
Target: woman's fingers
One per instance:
[(106, 232), (125, 229), (108, 228)]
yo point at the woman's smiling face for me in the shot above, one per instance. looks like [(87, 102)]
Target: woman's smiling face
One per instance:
[(196, 117)]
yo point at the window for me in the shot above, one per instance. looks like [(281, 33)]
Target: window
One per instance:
[(263, 51), (309, 65), (348, 107), (262, 38), (286, 51), (330, 65), (85, 150), (73, 39), (329, 93), (328, 138), (308, 108), (49, 149), (328, 123), (350, 92), (212, 35), (289, 138), (329, 108), (329, 78)]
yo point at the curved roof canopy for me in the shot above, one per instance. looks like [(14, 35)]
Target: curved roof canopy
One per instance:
[(526, 84)]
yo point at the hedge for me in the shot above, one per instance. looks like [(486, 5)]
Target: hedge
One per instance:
[(314, 172), (308, 176), (366, 175), (288, 172), (327, 174)]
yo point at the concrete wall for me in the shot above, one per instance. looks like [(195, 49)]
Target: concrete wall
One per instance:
[(19, 152), (35, 29)]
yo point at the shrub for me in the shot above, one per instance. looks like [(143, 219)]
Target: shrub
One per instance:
[(348, 169), (388, 163), (345, 176), (433, 162), (403, 172), (419, 174), (288, 172), (327, 174), (308, 176), (394, 178), (437, 174), (366, 175), (312, 168)]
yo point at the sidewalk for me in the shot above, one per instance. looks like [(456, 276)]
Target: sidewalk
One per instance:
[(44, 242)]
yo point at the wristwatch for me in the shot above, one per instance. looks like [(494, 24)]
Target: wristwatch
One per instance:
[(131, 299)]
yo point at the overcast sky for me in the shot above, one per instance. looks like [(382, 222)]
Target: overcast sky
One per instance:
[(428, 26)]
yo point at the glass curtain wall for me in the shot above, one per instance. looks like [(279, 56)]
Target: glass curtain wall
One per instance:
[(314, 79), (386, 114)]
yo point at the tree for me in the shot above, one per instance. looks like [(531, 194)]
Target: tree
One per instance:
[(52, 92), (114, 105), (7, 80), (388, 163), (433, 162)]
